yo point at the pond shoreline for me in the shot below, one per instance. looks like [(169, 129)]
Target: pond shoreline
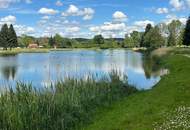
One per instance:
[(155, 108), (15, 51)]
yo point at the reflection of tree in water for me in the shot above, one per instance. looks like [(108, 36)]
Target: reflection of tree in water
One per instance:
[(151, 65), (9, 72)]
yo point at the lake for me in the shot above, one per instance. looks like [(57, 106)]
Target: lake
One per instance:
[(42, 69)]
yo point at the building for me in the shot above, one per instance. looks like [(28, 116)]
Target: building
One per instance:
[(33, 45)]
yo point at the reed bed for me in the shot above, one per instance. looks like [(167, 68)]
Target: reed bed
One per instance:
[(65, 106)]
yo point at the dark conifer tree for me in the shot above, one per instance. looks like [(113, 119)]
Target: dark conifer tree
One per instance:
[(51, 41), (186, 37), (4, 38), (12, 38)]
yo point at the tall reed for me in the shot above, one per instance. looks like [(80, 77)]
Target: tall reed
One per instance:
[(65, 106)]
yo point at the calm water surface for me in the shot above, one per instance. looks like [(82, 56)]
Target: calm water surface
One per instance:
[(45, 68)]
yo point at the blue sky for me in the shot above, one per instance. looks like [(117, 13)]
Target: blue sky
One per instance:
[(86, 18)]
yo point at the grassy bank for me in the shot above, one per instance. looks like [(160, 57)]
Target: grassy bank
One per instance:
[(42, 50), (24, 50), (66, 106), (165, 107)]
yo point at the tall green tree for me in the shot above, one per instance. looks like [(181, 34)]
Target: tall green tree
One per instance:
[(147, 29), (180, 39), (128, 42), (51, 42), (186, 37), (136, 36), (59, 40), (4, 38), (12, 37), (98, 39), (174, 29), (153, 39)]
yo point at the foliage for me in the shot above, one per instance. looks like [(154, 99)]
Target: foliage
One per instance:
[(12, 38), (25, 40), (98, 39), (133, 40), (153, 38), (174, 29), (8, 37), (52, 42), (4, 36), (147, 29), (128, 41), (66, 106), (186, 37)]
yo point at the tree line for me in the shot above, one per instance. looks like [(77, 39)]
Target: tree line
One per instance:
[(162, 35), (8, 37)]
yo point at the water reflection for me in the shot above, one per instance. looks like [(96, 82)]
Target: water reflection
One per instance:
[(45, 68), (9, 72)]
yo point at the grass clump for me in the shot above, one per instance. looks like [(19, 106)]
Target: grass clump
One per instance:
[(67, 105)]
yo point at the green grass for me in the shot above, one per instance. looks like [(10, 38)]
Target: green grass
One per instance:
[(154, 108), (68, 105), (24, 50)]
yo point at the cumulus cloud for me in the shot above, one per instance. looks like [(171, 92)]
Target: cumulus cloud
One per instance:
[(72, 29), (143, 23), (59, 3), (8, 20), (177, 4), (108, 26), (170, 18), (22, 29), (47, 11), (86, 13), (6, 3), (46, 17), (162, 11), (119, 16)]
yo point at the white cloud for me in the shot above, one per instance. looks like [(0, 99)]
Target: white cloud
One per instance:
[(73, 10), (87, 17), (73, 29), (46, 17), (59, 3), (119, 16), (183, 20), (170, 18), (6, 3), (22, 29), (48, 11), (143, 24), (108, 26), (113, 26), (8, 19), (86, 13), (162, 11), (177, 4)]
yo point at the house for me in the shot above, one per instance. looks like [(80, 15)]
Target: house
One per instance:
[(33, 45)]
